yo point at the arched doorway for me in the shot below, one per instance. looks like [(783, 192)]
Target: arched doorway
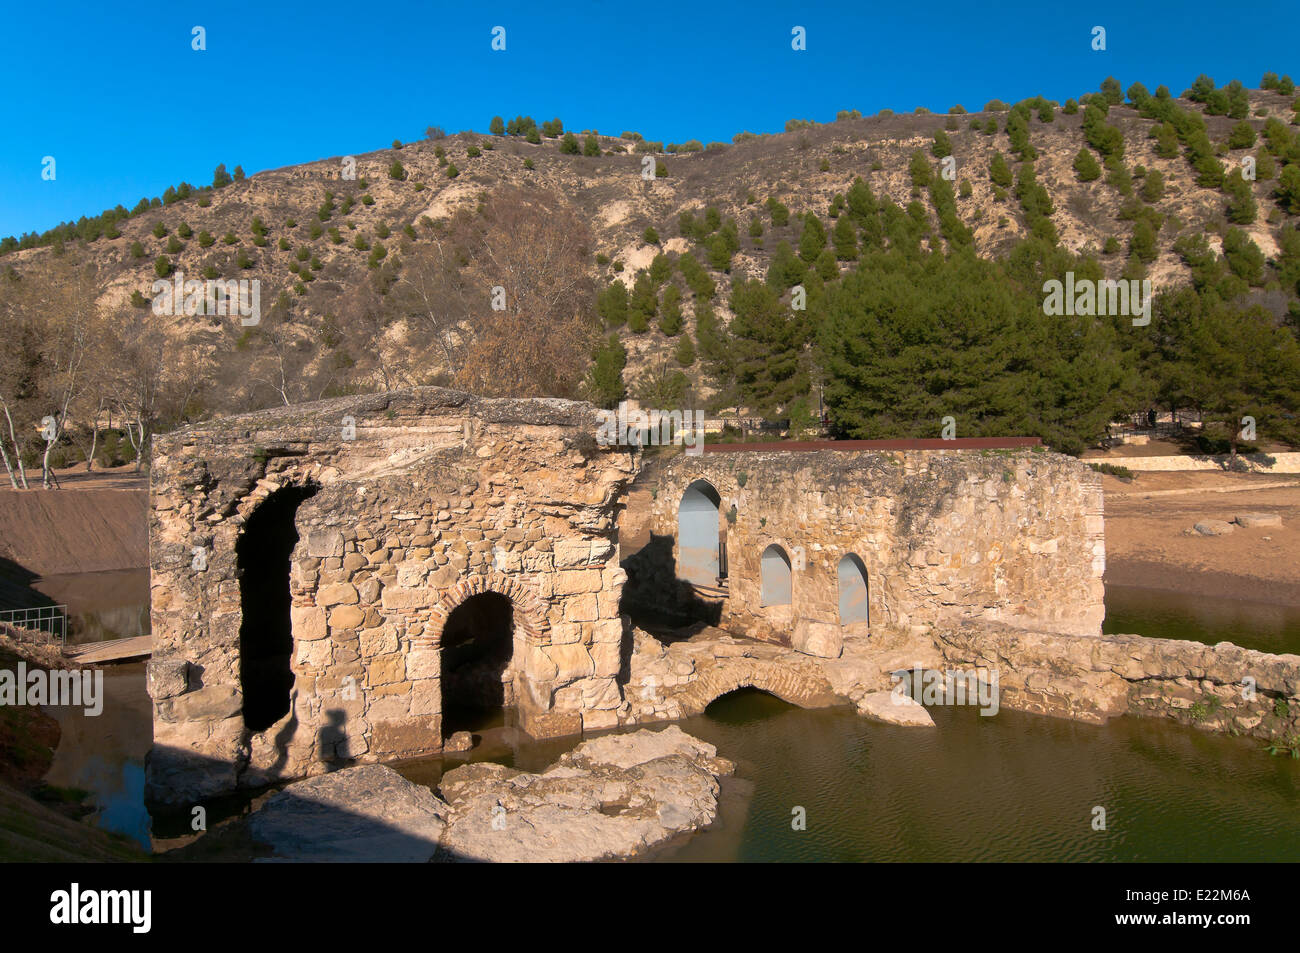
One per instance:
[(853, 590), (477, 648), (777, 584), (262, 555), (698, 535)]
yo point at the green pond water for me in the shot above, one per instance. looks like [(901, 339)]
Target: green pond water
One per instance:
[(1174, 615)]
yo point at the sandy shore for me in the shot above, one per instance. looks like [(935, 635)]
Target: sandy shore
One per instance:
[(1147, 544)]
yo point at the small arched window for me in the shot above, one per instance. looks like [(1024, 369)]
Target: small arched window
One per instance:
[(853, 590), (776, 577)]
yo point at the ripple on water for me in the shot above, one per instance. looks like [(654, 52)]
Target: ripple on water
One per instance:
[(1012, 787)]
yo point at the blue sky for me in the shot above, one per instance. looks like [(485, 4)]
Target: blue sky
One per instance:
[(116, 94)]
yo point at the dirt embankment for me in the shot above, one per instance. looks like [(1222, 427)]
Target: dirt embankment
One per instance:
[(1148, 543), (94, 523)]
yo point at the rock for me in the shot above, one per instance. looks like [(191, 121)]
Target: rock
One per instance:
[(168, 677), (610, 797), (367, 814), (819, 639), (460, 741), (1258, 519), (1213, 528), (894, 709)]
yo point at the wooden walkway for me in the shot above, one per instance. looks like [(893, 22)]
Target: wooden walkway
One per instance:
[(114, 650)]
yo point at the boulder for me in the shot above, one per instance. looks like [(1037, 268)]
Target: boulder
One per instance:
[(819, 639), (611, 797), (368, 814), (1213, 527), (1258, 519), (894, 709), (460, 741)]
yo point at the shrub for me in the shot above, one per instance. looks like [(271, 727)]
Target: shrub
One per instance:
[(137, 250), (650, 236), (395, 171), (229, 239), (569, 144), (162, 266), (452, 171), (1086, 167)]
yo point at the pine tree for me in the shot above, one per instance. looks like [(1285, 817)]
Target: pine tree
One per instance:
[(604, 382), (1086, 167), (812, 239), (845, 238)]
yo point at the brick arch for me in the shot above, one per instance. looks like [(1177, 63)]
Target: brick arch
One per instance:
[(785, 681), (529, 614)]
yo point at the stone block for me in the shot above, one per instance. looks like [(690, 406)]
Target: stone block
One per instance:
[(167, 678), (307, 623)]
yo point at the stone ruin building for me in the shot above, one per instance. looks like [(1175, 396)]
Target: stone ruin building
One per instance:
[(339, 582)]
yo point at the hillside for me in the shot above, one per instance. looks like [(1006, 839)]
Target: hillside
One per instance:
[(330, 326)]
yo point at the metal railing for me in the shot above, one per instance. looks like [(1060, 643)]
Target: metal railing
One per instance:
[(43, 624)]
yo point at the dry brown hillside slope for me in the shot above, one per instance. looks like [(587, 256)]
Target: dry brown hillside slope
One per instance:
[(804, 169)]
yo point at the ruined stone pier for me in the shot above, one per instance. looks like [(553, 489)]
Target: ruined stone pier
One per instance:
[(337, 582)]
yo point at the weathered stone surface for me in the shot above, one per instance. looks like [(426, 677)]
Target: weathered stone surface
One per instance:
[(894, 709), (1213, 527), (167, 677), (822, 639), (368, 814), (459, 741), (610, 797), (396, 529), (1093, 680), (1013, 536), (1258, 519)]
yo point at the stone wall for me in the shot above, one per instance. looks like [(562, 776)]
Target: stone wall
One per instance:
[(1221, 688), (1254, 462), (420, 500), (1012, 536)]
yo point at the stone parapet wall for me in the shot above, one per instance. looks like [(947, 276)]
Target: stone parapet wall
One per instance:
[(1221, 688), (1013, 536), (422, 499), (1254, 462)]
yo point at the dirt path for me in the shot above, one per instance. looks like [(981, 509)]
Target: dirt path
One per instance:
[(1147, 544), (94, 522)]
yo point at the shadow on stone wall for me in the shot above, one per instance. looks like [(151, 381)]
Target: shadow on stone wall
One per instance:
[(654, 595)]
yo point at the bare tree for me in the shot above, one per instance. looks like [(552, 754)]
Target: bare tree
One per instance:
[(502, 296)]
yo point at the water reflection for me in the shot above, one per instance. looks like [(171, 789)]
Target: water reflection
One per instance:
[(101, 605), (1171, 615), (105, 754)]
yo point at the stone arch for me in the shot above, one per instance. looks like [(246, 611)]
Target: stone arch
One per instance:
[(698, 534), (264, 550), (853, 589), (785, 681), (777, 578), (529, 616)]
